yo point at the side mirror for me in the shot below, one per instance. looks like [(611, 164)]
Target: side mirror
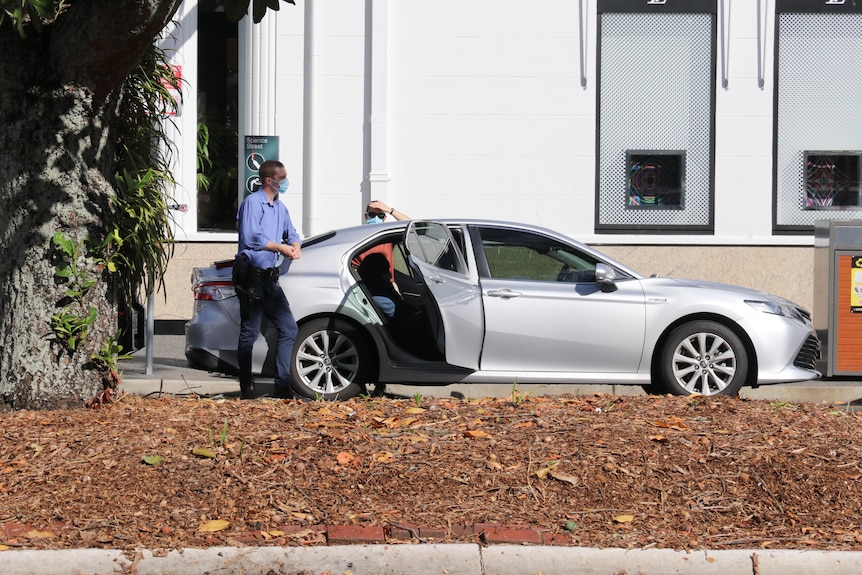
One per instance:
[(606, 276)]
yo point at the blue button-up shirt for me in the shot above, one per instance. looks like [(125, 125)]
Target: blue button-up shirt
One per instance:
[(259, 223)]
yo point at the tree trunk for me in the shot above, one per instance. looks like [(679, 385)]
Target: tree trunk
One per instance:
[(58, 96)]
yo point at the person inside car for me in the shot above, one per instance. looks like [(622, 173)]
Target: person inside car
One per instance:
[(407, 325), (375, 213)]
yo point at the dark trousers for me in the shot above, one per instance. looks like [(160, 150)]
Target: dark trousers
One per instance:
[(275, 306)]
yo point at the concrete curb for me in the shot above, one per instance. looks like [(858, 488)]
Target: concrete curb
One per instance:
[(429, 559)]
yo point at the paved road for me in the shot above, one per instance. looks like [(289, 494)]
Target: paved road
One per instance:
[(171, 374)]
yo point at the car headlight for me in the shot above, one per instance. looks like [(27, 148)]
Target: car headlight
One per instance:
[(777, 308)]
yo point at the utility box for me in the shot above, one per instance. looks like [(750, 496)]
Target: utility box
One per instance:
[(838, 295)]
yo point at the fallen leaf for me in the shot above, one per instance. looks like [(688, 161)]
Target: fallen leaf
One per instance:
[(476, 433), (546, 468), (330, 424), (560, 476), (659, 438), (214, 525), (344, 458), (383, 457), (676, 423), (624, 518), (417, 438), (4, 548), (414, 410), (153, 459), (204, 452), (40, 534)]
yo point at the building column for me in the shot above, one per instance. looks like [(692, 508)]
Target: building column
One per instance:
[(257, 81), (378, 176)]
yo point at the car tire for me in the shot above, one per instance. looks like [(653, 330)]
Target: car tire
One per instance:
[(702, 358), (330, 360)]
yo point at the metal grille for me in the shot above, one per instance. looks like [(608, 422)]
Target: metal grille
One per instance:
[(809, 354), (819, 95), (655, 94)]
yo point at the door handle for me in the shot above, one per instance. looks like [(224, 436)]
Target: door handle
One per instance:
[(436, 279), (505, 293)]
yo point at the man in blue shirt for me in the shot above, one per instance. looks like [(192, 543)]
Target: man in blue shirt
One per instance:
[(266, 237)]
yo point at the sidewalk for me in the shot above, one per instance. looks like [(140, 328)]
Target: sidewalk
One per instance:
[(171, 374), (430, 559)]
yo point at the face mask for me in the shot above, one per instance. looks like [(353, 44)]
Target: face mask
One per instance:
[(374, 220), (282, 185)]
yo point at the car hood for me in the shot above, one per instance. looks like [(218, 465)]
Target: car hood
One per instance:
[(740, 291)]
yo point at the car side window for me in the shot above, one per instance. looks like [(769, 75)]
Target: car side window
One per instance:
[(399, 260), (522, 255), (435, 245)]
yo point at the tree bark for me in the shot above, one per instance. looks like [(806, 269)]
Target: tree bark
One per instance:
[(58, 101)]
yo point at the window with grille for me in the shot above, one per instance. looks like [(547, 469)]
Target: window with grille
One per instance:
[(656, 108)]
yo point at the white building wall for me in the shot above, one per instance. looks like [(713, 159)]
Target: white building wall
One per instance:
[(743, 133), (484, 114)]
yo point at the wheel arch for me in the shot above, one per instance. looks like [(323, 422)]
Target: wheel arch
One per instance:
[(751, 376), (368, 337)]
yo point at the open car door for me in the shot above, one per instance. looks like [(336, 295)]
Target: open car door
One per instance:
[(451, 294)]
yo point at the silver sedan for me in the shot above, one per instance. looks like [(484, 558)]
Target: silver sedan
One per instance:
[(497, 302)]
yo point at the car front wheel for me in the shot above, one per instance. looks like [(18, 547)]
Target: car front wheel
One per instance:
[(702, 358), (329, 361)]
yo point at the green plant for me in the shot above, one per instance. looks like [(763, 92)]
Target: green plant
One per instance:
[(72, 328), (516, 397), (417, 397), (110, 354), (140, 240), (782, 405), (72, 323), (204, 161), (222, 436)]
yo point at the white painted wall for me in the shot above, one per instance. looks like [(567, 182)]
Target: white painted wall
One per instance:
[(476, 108), (485, 116)]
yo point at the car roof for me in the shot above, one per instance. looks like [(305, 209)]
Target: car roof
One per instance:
[(352, 236)]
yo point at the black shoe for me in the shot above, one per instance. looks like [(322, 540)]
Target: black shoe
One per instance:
[(248, 392), (282, 392)]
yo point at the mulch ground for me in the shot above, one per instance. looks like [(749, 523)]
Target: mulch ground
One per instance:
[(598, 471)]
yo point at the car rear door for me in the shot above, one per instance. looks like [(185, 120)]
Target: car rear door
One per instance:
[(450, 290)]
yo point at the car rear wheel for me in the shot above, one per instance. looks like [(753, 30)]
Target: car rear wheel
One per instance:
[(330, 360), (702, 358)]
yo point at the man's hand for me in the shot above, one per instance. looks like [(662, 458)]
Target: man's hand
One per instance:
[(291, 251)]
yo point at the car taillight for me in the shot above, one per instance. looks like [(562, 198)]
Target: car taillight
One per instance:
[(214, 291)]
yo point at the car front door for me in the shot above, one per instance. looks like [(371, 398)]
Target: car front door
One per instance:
[(545, 312), (452, 298)]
